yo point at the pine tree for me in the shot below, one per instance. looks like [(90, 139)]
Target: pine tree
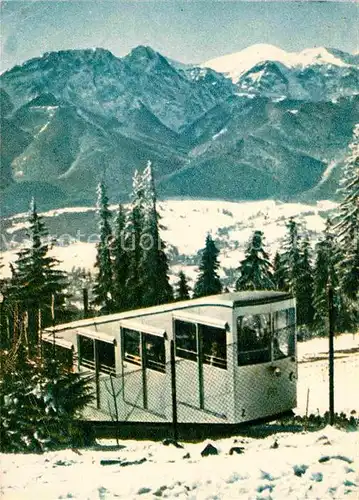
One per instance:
[(39, 405), (120, 262), (1, 268), (133, 233), (304, 282), (325, 275), (279, 273), (255, 269), (154, 263), (348, 269), (182, 288), (36, 286), (208, 282), (290, 257), (103, 289), (347, 227), (3, 315)]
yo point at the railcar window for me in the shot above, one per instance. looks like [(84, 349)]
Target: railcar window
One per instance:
[(214, 347), (283, 333), (291, 325), (155, 357), (106, 357), (186, 340), (86, 352), (132, 346), (254, 339)]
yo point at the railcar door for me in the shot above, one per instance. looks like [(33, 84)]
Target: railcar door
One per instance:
[(144, 370), (133, 376), (189, 388), (201, 368), (213, 369)]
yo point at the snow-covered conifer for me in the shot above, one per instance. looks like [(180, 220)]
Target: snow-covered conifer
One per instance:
[(279, 272), (255, 271), (103, 289), (290, 256), (36, 283), (182, 287), (208, 282), (154, 262), (304, 284), (347, 226), (132, 241), (120, 262), (325, 275)]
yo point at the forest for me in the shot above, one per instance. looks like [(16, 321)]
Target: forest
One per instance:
[(40, 398)]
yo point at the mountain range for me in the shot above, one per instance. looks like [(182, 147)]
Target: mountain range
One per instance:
[(262, 123)]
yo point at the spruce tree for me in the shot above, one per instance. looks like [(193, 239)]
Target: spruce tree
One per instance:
[(325, 275), (39, 405), (304, 285), (182, 288), (120, 262), (154, 263), (293, 271), (255, 269), (132, 239), (279, 273), (208, 282), (347, 227), (348, 269), (291, 256), (1, 268), (3, 315), (36, 286), (103, 288)]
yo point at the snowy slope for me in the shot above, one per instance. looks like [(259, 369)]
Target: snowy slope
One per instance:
[(320, 465), (313, 375), (86, 115), (234, 65), (316, 465), (186, 224)]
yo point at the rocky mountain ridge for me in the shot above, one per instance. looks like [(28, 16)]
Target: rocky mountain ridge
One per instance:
[(279, 130)]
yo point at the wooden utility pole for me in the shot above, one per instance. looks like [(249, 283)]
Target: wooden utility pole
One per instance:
[(174, 391), (85, 295), (53, 322), (331, 353)]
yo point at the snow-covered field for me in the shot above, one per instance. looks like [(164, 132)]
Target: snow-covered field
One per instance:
[(186, 223), (318, 465), (313, 375), (315, 465)]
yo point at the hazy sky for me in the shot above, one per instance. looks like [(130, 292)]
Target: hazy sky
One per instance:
[(189, 31)]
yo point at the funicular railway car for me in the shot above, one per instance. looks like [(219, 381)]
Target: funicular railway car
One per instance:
[(234, 359)]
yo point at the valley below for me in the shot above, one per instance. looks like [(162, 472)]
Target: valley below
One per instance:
[(185, 222)]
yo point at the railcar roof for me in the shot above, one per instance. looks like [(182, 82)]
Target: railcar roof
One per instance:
[(230, 300)]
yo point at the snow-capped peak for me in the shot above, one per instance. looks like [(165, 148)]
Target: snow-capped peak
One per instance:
[(234, 65), (318, 55), (238, 63)]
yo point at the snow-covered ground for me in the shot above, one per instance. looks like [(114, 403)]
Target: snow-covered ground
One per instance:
[(318, 465), (186, 223), (314, 465), (313, 375)]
